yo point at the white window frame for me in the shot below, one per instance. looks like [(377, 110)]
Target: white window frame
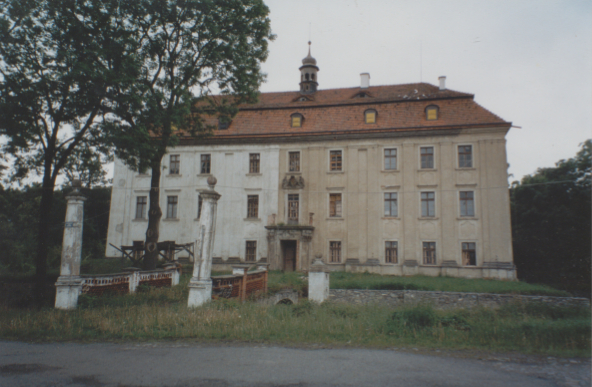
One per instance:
[(342, 160), (433, 155), (472, 156), (383, 200), (384, 251), (435, 252), (288, 160), (435, 204), (329, 205), (341, 251), (384, 158), (460, 215)]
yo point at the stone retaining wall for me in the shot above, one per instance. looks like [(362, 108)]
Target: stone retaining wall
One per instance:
[(444, 300)]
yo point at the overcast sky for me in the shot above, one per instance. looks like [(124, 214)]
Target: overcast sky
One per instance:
[(529, 62)]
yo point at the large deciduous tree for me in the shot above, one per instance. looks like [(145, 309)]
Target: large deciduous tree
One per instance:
[(59, 63), (191, 49), (551, 224)]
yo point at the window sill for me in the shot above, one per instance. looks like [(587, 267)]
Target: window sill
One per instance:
[(294, 173), (428, 218), (427, 170), (139, 220), (335, 218), (390, 171), (204, 174), (254, 174), (174, 175), (252, 219), (335, 172), (465, 169), (391, 218), (467, 218), (170, 220)]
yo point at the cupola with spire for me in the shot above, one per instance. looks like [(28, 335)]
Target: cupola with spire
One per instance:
[(308, 74)]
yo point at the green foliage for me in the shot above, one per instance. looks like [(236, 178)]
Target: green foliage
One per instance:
[(551, 224), (279, 280), (18, 227), (418, 317)]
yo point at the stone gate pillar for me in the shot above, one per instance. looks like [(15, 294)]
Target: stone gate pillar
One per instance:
[(69, 283), (200, 286)]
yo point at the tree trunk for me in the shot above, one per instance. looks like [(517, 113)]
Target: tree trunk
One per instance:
[(154, 215), (45, 207)]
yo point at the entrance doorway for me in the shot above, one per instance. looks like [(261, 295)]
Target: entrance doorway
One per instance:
[(289, 253)]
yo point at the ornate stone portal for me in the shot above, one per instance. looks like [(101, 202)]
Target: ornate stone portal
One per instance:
[(286, 242)]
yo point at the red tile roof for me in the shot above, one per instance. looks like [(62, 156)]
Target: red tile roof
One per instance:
[(339, 111)]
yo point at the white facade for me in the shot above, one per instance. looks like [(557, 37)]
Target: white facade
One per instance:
[(231, 166)]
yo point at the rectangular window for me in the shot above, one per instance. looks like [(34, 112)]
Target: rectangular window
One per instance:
[(199, 204), (390, 252), (390, 159), (390, 204), (429, 253), (469, 256), (172, 202), (335, 205), (467, 203), (336, 164), (293, 208), (206, 161), (254, 162), (252, 206), (428, 204), (251, 255), (141, 205), (335, 251), (175, 165), (427, 157), (465, 156), (294, 161)]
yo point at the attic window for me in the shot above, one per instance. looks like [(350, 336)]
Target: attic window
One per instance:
[(302, 99), (362, 95), (296, 120), (370, 116), (222, 125), (432, 112)]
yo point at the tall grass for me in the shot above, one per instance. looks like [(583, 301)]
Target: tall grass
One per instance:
[(343, 280), (162, 314)]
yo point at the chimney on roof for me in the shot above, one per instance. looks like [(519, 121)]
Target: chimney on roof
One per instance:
[(365, 80), (442, 80)]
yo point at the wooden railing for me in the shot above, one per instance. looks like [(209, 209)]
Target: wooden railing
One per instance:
[(241, 284), (128, 282)]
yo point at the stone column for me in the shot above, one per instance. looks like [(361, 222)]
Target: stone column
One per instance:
[(200, 286), (318, 281), (69, 282)]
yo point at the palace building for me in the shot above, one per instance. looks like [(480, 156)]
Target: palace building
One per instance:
[(399, 179)]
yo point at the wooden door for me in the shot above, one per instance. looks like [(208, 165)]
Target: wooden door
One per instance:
[(289, 255)]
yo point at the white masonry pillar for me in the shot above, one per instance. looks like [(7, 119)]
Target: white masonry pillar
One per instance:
[(69, 283), (318, 281), (200, 286)]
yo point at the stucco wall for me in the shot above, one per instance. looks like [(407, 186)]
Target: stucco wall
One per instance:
[(230, 165), (363, 229)]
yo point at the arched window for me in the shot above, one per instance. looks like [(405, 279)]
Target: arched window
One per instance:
[(432, 112), (306, 76), (296, 120), (312, 76), (370, 116)]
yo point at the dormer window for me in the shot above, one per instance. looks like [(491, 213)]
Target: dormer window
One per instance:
[(223, 125), (370, 116), (432, 113), (296, 120)]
